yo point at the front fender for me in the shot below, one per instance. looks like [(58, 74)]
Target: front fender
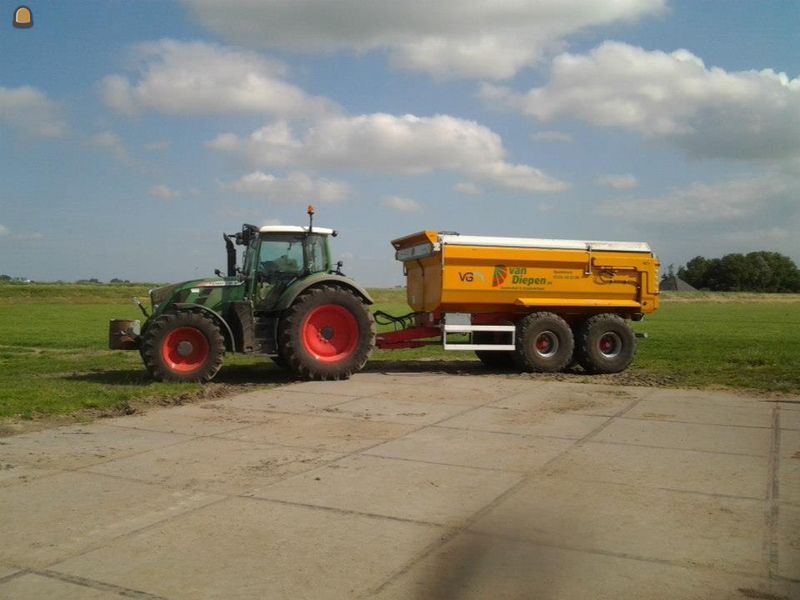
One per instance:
[(227, 331), (297, 288)]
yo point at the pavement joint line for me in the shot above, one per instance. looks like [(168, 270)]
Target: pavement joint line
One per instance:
[(556, 475), (60, 470), (98, 585), (514, 433), (342, 511), (771, 505), (623, 555), (509, 433), (445, 464), (613, 443), (157, 523), (14, 575), (695, 423), (474, 517), (529, 435)]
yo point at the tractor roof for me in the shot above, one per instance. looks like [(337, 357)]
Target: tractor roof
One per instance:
[(294, 229)]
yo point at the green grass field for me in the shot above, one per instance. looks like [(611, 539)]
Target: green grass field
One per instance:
[(53, 359)]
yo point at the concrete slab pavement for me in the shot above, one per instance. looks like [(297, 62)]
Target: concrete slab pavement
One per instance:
[(412, 486)]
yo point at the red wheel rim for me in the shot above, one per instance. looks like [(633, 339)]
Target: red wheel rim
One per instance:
[(185, 349), (330, 333)]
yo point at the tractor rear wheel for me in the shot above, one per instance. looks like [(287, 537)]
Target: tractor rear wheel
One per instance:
[(544, 343), (494, 359), (605, 344), (328, 333), (183, 346)]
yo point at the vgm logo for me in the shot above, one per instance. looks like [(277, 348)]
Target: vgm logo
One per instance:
[(471, 276)]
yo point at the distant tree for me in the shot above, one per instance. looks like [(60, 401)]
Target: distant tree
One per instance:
[(5, 277), (117, 280), (695, 273), (753, 272)]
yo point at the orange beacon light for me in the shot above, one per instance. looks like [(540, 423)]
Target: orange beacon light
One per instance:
[(23, 18)]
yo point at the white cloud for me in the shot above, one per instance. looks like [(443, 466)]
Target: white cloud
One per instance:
[(5, 232), (108, 140), (617, 182), (295, 187), (164, 192), (551, 136), (200, 78), (385, 143), (703, 203), (670, 96), (446, 38), (31, 113), (401, 204), (468, 188)]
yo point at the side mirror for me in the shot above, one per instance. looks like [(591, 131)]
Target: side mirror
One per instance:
[(217, 272), (339, 268)]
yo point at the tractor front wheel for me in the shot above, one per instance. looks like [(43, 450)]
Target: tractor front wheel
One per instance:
[(328, 333), (183, 346)]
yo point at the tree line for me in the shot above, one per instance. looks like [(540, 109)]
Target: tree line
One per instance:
[(753, 272)]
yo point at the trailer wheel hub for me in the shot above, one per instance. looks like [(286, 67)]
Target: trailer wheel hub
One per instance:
[(610, 345), (185, 348), (546, 344)]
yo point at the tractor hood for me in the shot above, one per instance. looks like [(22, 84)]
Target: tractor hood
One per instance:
[(191, 290)]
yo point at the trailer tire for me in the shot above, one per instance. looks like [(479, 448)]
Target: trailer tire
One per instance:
[(544, 343), (328, 334), (494, 359), (605, 344), (184, 347)]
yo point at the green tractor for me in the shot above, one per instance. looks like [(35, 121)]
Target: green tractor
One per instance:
[(286, 301)]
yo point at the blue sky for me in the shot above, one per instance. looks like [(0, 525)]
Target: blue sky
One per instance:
[(133, 134)]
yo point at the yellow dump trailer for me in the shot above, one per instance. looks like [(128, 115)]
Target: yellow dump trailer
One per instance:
[(540, 304)]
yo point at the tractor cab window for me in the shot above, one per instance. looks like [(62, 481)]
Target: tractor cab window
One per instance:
[(280, 255), (317, 254)]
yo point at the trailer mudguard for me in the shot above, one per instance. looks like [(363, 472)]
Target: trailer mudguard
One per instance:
[(294, 290)]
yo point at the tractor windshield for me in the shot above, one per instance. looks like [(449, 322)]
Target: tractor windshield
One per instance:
[(282, 254)]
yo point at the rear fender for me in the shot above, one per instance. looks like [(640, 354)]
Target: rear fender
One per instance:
[(297, 288)]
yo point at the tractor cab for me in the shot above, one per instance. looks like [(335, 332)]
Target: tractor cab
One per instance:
[(276, 256)]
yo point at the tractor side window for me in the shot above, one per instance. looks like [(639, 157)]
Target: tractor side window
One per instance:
[(280, 255), (317, 254)]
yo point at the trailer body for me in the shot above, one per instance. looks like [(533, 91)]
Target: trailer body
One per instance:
[(527, 303), (448, 273)]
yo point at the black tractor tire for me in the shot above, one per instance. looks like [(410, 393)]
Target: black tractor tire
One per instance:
[(183, 346), (544, 343), (605, 344), (494, 359), (327, 334), (279, 361)]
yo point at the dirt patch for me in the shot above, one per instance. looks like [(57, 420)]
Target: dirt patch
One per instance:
[(209, 391)]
